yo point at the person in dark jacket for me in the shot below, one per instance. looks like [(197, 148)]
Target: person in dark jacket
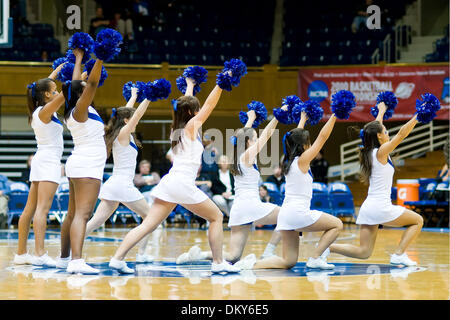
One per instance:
[(319, 168), (223, 186), (277, 177)]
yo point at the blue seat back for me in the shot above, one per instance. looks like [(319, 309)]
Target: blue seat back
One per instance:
[(17, 201), (19, 187)]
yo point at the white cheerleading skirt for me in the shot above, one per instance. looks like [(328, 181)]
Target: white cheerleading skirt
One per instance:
[(296, 214), (87, 163), (120, 188), (178, 188), (46, 166), (378, 211), (248, 208)]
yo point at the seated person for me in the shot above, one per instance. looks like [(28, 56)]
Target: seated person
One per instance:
[(223, 186), (4, 192), (277, 177), (264, 194), (145, 181)]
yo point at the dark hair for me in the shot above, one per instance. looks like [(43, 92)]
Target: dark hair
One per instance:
[(76, 89), (370, 137), (294, 143), (186, 106), (243, 135), (115, 123), (36, 95)]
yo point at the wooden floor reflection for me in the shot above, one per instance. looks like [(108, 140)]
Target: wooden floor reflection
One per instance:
[(431, 249)]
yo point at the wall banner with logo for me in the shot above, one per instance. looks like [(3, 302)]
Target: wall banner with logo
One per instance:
[(407, 82)]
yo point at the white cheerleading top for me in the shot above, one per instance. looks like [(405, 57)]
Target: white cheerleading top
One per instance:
[(298, 184), (88, 135), (48, 135), (380, 181), (124, 158), (247, 183), (187, 157)]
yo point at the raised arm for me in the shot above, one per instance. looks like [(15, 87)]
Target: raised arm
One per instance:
[(132, 101), (51, 107), (303, 119), (190, 87), (386, 148), (381, 111), (125, 132), (80, 112), (252, 152), (197, 121), (55, 72), (307, 156), (251, 119), (78, 53)]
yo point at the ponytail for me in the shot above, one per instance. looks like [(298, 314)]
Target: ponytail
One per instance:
[(240, 144), (115, 123), (293, 146), (36, 95)]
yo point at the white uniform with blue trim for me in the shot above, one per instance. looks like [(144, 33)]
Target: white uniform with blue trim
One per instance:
[(247, 206), (46, 163), (120, 186), (295, 213), (378, 207), (89, 154), (178, 186)]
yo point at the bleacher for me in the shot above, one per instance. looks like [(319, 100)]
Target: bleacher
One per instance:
[(441, 49)]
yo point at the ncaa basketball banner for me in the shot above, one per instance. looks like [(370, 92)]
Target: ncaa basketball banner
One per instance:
[(407, 83)]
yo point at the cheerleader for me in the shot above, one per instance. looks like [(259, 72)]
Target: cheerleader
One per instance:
[(247, 209), (295, 215), (85, 165), (378, 170), (119, 188), (45, 173), (178, 186)]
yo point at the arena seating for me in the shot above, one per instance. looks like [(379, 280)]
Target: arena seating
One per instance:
[(441, 51)]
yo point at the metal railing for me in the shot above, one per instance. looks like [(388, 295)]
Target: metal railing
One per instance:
[(423, 138), (399, 39), (387, 48)]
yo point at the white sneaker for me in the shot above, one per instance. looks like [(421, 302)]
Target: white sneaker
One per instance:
[(43, 260), (194, 254), (318, 263), (144, 258), (79, 266), (120, 266), (224, 267), (62, 263), (23, 258), (247, 263), (402, 259)]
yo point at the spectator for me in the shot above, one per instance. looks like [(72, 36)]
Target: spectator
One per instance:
[(444, 173), (277, 177), (264, 194), (98, 23), (124, 26), (141, 8), (4, 191), (223, 186), (209, 165), (145, 181), (26, 172), (361, 15), (203, 182), (319, 168), (44, 56)]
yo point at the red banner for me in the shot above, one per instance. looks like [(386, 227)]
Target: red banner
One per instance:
[(407, 82)]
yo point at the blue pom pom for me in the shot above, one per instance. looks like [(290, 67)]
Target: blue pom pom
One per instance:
[(107, 44), (126, 91), (260, 111), (291, 101), (181, 84), (66, 72), (71, 57), (282, 116), (58, 62), (83, 41), (88, 67), (158, 89), (224, 81), (390, 100), (342, 103), (198, 74), (312, 110), (238, 69), (141, 85), (427, 108)]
